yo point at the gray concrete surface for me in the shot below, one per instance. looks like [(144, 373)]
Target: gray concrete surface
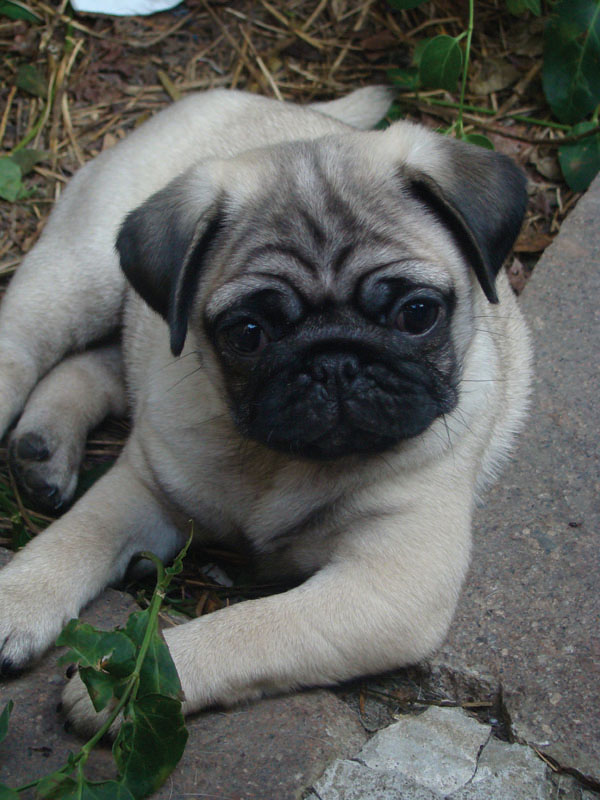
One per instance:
[(529, 618)]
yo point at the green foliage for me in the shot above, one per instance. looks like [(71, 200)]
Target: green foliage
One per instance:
[(518, 7), (128, 671), (15, 10), (570, 77), (150, 743), (10, 179), (12, 171), (31, 81), (440, 63), (10, 510), (571, 72), (479, 139), (580, 161)]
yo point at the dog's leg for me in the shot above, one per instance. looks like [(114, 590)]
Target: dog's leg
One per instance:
[(385, 600), (59, 301), (55, 575), (46, 448)]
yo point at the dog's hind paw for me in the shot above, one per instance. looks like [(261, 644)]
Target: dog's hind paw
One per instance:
[(46, 472)]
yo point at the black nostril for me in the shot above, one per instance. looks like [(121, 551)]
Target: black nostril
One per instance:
[(342, 367), (349, 369)]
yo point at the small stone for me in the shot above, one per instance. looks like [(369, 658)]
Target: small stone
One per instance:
[(350, 780), (437, 749), (508, 772)]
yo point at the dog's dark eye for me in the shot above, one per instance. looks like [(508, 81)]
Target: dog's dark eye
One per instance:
[(246, 337), (418, 316)]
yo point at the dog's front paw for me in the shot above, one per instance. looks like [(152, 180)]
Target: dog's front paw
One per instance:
[(81, 714), (30, 621)]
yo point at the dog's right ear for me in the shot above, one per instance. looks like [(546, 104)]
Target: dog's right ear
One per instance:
[(163, 246)]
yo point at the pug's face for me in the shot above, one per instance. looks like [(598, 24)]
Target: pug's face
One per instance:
[(328, 281)]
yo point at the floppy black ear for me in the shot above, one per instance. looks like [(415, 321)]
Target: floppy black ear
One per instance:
[(163, 246), (481, 197)]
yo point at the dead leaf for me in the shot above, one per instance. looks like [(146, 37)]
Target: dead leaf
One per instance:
[(108, 140), (382, 40), (531, 241), (527, 38), (495, 74), (546, 165)]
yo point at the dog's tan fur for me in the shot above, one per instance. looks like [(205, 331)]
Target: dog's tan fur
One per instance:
[(385, 567)]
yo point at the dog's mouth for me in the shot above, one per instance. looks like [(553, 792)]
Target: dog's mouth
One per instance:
[(339, 407)]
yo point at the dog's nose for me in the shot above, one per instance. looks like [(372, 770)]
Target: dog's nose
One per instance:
[(339, 367)]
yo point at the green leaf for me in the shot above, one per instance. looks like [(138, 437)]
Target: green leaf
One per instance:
[(518, 7), (55, 786), (20, 535), (111, 652), (580, 161), (101, 686), (571, 71), (177, 565), (8, 794), (107, 790), (6, 712), (10, 179), (150, 743), (479, 139), (59, 786), (404, 78), (419, 48), (441, 63), (157, 674), (27, 159), (15, 10), (30, 80), (399, 5)]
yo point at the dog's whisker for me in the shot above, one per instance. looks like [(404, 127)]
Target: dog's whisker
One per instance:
[(185, 377), (173, 361)]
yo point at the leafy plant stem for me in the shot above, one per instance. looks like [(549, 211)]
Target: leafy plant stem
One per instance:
[(40, 122), (134, 678), (489, 112), (81, 757), (463, 87)]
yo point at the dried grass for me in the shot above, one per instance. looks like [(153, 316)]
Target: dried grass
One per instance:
[(104, 76)]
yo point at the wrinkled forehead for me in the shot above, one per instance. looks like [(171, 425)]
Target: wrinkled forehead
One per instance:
[(319, 216)]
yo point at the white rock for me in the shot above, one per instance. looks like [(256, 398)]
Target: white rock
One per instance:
[(350, 780), (437, 749)]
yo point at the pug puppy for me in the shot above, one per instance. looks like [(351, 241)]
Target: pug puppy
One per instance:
[(324, 364)]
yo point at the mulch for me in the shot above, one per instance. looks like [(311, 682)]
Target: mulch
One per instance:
[(73, 85)]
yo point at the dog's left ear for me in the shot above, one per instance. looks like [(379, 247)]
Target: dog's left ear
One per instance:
[(480, 196), (163, 246)]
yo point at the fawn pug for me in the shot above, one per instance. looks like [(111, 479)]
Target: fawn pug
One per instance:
[(323, 360)]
